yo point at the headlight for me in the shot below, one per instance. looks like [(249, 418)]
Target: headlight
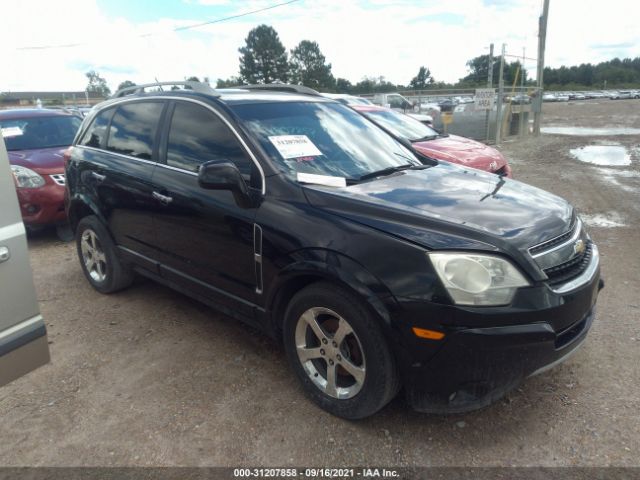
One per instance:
[(26, 178), (475, 279)]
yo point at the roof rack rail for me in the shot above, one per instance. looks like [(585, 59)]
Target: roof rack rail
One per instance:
[(199, 87), (282, 87)]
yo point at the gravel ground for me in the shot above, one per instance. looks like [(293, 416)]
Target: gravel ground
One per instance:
[(150, 377)]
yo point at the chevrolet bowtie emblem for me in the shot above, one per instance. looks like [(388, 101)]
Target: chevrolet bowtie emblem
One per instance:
[(579, 247)]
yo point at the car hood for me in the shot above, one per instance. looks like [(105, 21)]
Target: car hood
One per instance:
[(464, 151), (448, 206), (43, 160)]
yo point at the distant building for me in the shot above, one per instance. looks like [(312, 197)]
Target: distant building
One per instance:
[(14, 99)]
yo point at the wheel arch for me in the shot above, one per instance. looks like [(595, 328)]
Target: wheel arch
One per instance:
[(349, 275), (80, 207)]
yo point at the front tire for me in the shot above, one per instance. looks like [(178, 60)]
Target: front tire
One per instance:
[(98, 258), (338, 352)]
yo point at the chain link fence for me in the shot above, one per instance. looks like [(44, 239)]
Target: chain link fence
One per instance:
[(473, 113)]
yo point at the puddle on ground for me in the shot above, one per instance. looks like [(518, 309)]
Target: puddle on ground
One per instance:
[(587, 131), (603, 220), (607, 155)]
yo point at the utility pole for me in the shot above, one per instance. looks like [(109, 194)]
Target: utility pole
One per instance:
[(489, 85), (523, 72), (542, 39), (500, 96)]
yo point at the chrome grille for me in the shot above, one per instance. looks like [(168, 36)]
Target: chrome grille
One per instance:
[(58, 178), (551, 243), (572, 268), (564, 257)]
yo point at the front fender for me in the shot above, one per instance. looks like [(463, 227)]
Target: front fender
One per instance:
[(337, 268)]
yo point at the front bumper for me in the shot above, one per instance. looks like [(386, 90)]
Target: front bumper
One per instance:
[(44, 205), (476, 365)]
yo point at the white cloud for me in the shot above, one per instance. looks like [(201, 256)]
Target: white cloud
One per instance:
[(359, 38)]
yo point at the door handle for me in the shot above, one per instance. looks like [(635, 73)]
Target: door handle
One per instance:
[(5, 254), (99, 177), (163, 199)]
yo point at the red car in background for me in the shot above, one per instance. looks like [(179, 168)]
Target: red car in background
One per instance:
[(429, 142), (36, 140)]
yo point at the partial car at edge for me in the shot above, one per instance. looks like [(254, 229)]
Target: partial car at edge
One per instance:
[(36, 140)]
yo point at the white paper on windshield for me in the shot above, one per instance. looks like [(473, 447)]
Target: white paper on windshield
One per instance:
[(11, 132), (327, 180), (294, 146)]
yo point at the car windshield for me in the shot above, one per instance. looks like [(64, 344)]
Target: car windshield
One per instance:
[(402, 125), (39, 132), (323, 139)]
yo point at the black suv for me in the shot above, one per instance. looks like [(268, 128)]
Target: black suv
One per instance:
[(377, 268)]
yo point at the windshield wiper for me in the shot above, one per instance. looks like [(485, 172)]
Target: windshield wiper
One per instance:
[(425, 138), (391, 170)]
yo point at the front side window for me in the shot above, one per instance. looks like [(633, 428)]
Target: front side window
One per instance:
[(402, 125), (133, 129), (39, 132), (197, 135), (322, 138)]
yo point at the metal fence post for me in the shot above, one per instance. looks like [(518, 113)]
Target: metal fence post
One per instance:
[(490, 85), (500, 96), (542, 39)]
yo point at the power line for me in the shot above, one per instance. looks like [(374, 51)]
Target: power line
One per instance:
[(197, 25), (176, 29)]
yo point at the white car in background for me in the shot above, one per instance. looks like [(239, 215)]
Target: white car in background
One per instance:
[(353, 100), (347, 99)]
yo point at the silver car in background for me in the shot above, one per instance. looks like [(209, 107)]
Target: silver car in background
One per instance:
[(23, 335)]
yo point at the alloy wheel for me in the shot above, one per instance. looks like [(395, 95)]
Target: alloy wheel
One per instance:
[(330, 353), (93, 256)]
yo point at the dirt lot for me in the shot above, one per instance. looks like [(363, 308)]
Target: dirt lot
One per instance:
[(150, 377)]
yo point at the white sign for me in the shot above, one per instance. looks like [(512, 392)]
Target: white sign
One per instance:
[(327, 180), (294, 146), (485, 99), (11, 132)]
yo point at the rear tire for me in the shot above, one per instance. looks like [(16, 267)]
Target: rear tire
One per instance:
[(338, 352), (98, 257)]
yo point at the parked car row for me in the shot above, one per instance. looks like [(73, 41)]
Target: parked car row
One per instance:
[(590, 94), (338, 230)]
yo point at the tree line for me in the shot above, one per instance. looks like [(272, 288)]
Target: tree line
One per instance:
[(264, 59), (617, 73)]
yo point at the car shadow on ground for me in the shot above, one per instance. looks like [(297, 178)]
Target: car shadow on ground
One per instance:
[(517, 413)]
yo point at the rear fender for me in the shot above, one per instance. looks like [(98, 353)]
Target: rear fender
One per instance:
[(80, 206)]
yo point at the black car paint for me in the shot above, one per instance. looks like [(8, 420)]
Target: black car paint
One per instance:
[(370, 238)]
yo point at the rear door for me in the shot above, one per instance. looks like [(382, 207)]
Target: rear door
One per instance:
[(205, 238), (23, 335), (119, 151)]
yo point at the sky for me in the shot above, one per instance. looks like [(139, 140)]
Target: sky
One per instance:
[(135, 39)]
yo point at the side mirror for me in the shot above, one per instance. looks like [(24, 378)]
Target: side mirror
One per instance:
[(224, 175)]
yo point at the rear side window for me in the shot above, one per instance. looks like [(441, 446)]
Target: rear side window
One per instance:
[(133, 129), (197, 135), (96, 135)]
